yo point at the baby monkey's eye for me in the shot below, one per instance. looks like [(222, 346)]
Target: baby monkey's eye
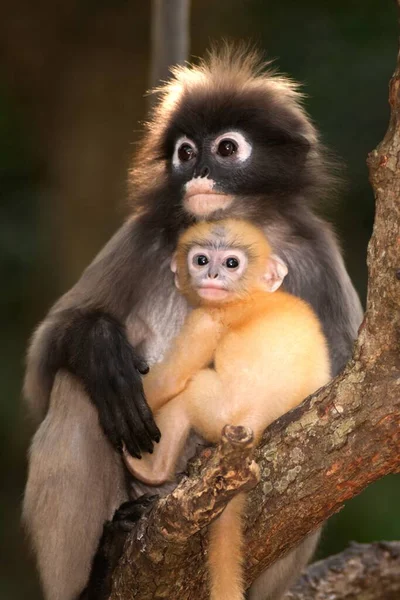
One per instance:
[(232, 262), (227, 148), (186, 152), (200, 260)]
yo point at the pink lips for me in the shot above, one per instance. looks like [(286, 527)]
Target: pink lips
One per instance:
[(212, 292), (200, 198)]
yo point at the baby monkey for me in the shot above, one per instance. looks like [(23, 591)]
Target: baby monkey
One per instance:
[(244, 356)]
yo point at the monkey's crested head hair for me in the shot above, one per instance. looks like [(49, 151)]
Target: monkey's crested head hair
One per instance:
[(232, 94), (227, 235)]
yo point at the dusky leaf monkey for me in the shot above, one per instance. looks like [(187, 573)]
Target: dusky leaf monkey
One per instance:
[(267, 352), (228, 138)]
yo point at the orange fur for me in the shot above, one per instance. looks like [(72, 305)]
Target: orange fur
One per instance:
[(268, 353)]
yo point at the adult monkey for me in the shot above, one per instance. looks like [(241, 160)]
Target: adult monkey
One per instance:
[(227, 139)]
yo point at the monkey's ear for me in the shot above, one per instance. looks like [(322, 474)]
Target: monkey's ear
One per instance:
[(174, 266), (174, 269), (275, 273)]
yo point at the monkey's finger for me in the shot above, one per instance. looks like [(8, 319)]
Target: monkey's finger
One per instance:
[(140, 415), (128, 355), (136, 424), (142, 366), (130, 386), (129, 424), (112, 437), (131, 442), (144, 411), (148, 418), (107, 422)]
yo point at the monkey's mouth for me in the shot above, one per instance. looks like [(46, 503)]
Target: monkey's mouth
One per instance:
[(204, 203), (212, 292)]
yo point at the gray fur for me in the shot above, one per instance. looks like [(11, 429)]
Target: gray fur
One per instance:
[(324, 283), (73, 476)]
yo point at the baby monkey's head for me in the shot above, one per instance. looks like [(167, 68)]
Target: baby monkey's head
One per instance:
[(223, 261)]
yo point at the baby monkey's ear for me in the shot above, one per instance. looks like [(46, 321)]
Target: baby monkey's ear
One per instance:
[(174, 269), (174, 266), (275, 273)]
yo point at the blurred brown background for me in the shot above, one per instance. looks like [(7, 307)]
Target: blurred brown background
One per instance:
[(72, 81)]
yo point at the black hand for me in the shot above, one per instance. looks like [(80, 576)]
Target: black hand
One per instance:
[(111, 546), (93, 346), (130, 512)]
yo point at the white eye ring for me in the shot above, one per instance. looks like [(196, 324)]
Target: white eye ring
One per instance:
[(176, 161), (244, 148)]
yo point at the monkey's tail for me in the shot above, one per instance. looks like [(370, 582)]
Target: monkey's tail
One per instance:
[(225, 558)]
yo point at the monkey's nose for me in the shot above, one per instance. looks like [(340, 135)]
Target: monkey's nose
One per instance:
[(213, 274), (205, 171)]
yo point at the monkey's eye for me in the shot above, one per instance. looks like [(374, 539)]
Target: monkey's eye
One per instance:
[(232, 262), (186, 152), (232, 145), (200, 260), (227, 148)]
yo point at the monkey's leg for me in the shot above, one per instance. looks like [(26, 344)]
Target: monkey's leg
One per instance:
[(212, 403), (198, 406), (174, 424), (206, 401), (75, 484), (225, 556)]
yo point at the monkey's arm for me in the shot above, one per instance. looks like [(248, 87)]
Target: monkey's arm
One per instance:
[(192, 350), (85, 335)]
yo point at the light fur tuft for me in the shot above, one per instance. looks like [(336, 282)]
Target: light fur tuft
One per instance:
[(226, 65)]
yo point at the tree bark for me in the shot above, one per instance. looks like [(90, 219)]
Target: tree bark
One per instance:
[(312, 459), (362, 572)]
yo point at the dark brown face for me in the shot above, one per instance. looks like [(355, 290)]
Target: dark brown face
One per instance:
[(208, 164), (229, 148)]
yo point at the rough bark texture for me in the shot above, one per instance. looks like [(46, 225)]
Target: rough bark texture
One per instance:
[(362, 572), (311, 460), (160, 539)]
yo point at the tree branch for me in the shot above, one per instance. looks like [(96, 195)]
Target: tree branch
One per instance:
[(362, 572), (169, 37), (312, 459)]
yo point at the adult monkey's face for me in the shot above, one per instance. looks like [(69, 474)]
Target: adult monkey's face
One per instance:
[(229, 139), (204, 168), (223, 147)]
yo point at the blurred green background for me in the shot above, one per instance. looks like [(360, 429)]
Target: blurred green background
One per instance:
[(72, 81)]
